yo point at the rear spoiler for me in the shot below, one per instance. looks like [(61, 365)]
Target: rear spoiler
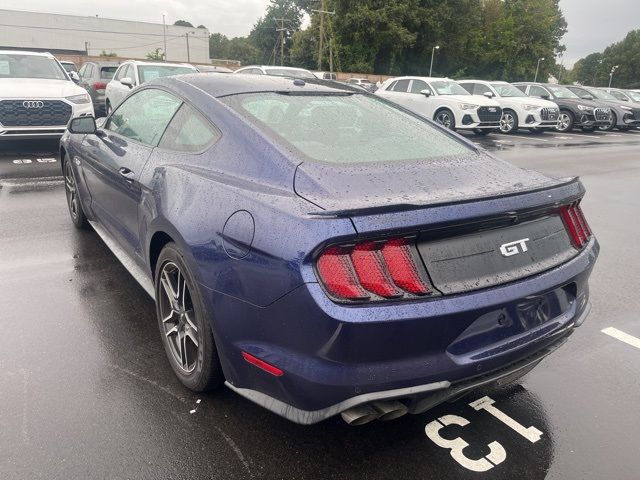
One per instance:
[(567, 189)]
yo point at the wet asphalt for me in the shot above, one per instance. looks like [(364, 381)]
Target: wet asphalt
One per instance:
[(86, 390)]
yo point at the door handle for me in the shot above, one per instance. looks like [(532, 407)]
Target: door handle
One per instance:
[(127, 174)]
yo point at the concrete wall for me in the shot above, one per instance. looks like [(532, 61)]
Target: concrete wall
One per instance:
[(91, 35)]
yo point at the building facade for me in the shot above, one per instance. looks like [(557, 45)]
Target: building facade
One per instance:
[(92, 36)]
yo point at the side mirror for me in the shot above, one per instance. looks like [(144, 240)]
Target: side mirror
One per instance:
[(82, 125), (488, 94), (426, 92), (588, 97), (75, 77), (127, 81)]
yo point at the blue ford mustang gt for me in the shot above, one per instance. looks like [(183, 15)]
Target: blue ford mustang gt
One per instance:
[(322, 251)]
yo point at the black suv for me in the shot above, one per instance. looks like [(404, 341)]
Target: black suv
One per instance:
[(574, 111)]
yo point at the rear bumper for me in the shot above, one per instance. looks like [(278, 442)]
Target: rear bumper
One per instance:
[(336, 356)]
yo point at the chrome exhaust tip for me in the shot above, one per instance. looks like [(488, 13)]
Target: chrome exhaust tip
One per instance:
[(390, 409), (359, 415)]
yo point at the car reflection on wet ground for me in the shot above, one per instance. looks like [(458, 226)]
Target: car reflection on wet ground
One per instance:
[(86, 390)]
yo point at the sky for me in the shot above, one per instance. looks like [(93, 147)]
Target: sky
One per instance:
[(593, 24)]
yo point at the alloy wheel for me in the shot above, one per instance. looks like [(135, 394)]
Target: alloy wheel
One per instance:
[(563, 122), (178, 317), (443, 118), (71, 190), (507, 122)]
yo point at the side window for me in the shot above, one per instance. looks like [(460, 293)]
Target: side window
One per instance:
[(252, 71), (467, 86), (536, 91), (82, 70), (619, 95), (189, 131), (391, 85), (401, 86), (119, 73), (480, 89), (522, 88), (144, 116), (418, 85)]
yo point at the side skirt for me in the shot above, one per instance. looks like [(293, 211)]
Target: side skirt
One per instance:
[(125, 259)]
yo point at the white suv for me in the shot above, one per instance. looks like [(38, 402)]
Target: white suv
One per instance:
[(276, 71), (37, 96), (132, 73), (444, 101), (518, 109)]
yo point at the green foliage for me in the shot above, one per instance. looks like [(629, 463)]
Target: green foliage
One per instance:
[(594, 69), (280, 14), (183, 23), (157, 54), (106, 54)]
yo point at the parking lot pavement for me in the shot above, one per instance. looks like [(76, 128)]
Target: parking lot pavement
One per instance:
[(86, 390)]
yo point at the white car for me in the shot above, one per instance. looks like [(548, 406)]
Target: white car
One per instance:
[(518, 109), (365, 83), (276, 71), (444, 101), (132, 73), (37, 96)]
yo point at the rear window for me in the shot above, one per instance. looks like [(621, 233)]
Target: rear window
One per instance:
[(149, 72), (108, 72), (345, 128)]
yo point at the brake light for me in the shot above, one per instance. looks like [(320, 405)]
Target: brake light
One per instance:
[(99, 85), (371, 270), (576, 224)]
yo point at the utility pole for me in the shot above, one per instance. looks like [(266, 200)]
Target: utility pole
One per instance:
[(164, 34), (535, 79), (322, 11), (188, 52), (281, 30)]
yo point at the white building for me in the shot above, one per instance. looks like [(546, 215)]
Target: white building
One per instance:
[(74, 35)]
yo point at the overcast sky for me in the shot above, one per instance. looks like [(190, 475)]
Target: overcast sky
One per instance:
[(593, 24)]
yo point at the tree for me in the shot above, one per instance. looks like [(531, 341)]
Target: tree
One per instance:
[(218, 46), (106, 54), (157, 54), (183, 23), (280, 14)]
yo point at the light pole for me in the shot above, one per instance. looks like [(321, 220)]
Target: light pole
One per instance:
[(613, 69), (537, 67), (188, 53), (433, 52), (164, 34)]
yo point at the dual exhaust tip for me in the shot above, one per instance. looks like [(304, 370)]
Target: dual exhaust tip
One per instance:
[(379, 410)]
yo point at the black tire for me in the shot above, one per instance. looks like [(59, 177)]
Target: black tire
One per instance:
[(199, 368), (612, 125), (509, 122), (566, 120), (445, 118), (537, 131), (74, 204)]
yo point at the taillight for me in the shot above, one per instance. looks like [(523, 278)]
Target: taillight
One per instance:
[(99, 85), (372, 270), (576, 224)]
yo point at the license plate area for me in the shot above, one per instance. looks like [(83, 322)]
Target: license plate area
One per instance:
[(495, 256)]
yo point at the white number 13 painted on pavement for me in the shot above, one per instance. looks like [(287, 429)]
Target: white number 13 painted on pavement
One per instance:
[(497, 453)]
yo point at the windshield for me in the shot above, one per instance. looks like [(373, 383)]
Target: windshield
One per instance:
[(634, 95), (108, 72), (149, 72), (16, 65), (561, 92), (444, 87), (289, 72), (600, 94), (341, 128), (69, 67), (507, 90)]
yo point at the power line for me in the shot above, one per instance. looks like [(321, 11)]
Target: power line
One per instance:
[(91, 31)]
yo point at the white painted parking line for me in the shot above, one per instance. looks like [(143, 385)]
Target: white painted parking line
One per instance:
[(623, 337), (46, 160), (21, 161), (530, 138)]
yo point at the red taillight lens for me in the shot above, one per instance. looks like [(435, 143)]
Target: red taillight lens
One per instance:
[(576, 224), (262, 365), (397, 255), (338, 275), (384, 268), (99, 85)]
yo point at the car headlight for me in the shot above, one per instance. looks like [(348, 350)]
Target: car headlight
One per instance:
[(626, 108), (468, 106), (584, 108), (82, 98), (530, 107)]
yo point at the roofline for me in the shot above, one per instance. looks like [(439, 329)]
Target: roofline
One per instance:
[(27, 52)]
